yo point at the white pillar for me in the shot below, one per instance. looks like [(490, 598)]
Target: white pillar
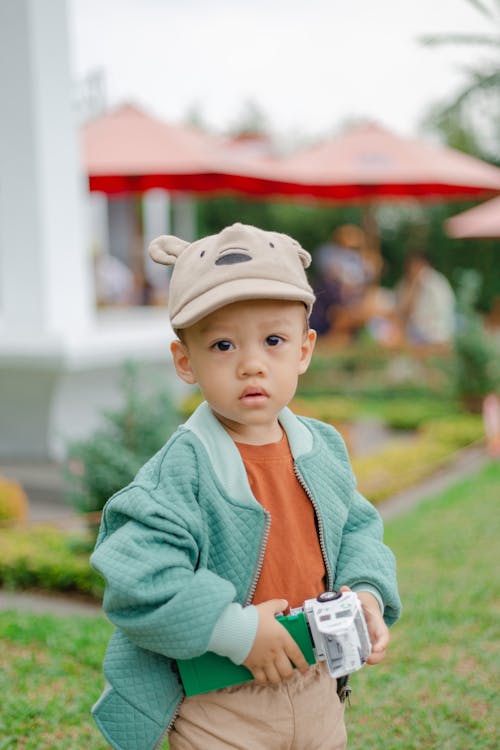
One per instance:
[(45, 268), (98, 223), (156, 221)]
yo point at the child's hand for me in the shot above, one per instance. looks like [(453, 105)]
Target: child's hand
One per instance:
[(377, 629), (274, 648)]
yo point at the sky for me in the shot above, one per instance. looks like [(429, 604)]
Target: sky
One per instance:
[(309, 65)]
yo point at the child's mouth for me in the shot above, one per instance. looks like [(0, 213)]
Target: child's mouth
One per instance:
[(253, 396)]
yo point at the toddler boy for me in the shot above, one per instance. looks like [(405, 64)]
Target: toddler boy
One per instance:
[(247, 510)]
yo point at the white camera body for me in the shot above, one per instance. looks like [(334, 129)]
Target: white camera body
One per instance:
[(338, 631)]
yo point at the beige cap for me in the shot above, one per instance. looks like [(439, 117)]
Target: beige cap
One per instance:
[(241, 262)]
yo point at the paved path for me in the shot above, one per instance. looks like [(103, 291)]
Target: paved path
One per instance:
[(25, 601), (466, 462)]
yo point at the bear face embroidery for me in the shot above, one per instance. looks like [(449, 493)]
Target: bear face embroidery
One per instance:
[(232, 255)]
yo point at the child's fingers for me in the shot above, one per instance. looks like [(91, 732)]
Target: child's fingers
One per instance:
[(259, 675), (382, 640), (283, 665), (272, 675), (295, 655), (376, 657), (278, 605)]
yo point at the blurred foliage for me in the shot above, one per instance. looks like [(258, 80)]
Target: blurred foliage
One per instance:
[(13, 500), (365, 370), (43, 557), (469, 118), (405, 227), (402, 464), (397, 413), (475, 368), (110, 458)]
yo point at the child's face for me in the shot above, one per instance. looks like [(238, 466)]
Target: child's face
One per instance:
[(246, 358)]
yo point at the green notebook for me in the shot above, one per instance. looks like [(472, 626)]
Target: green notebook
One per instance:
[(211, 672)]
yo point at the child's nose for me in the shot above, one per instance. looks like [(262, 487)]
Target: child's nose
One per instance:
[(250, 363)]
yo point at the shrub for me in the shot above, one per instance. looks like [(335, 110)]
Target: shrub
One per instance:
[(475, 365), (397, 412), (44, 557), (404, 414), (13, 500), (331, 409), (368, 369), (402, 464), (107, 461), (455, 432)]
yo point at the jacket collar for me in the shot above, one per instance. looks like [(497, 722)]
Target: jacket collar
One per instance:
[(224, 455)]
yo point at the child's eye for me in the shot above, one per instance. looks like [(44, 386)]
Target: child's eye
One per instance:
[(274, 340), (222, 346)]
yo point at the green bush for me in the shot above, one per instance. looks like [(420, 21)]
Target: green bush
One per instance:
[(395, 411), (365, 369), (475, 366), (404, 414), (455, 432), (332, 409), (402, 464), (107, 461), (47, 558)]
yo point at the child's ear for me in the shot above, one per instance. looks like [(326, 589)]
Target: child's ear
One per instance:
[(182, 362), (306, 350)]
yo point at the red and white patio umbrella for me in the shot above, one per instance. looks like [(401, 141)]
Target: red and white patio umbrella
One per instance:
[(129, 151), (369, 163), (481, 222)]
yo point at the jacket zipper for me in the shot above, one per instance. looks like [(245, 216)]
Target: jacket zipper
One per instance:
[(329, 575), (260, 560), (169, 726)]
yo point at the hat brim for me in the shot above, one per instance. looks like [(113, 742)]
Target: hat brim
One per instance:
[(237, 291)]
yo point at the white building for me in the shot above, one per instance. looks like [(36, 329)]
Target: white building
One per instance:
[(60, 359)]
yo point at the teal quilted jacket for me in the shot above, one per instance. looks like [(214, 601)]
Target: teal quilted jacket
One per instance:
[(181, 547)]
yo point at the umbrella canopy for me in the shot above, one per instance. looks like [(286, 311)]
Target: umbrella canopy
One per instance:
[(479, 222), (127, 150), (369, 162)]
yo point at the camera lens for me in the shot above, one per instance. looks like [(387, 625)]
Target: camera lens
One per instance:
[(329, 596)]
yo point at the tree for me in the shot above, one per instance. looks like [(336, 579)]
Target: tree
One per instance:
[(251, 121), (470, 119)]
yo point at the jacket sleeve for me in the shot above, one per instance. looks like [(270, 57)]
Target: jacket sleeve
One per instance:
[(364, 562), (150, 551)]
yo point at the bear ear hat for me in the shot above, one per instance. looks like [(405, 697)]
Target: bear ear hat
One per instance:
[(166, 249), (305, 257)]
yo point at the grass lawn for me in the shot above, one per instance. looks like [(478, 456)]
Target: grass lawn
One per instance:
[(437, 688)]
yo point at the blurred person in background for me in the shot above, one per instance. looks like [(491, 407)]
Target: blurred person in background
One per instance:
[(425, 303), (346, 290), (114, 281)]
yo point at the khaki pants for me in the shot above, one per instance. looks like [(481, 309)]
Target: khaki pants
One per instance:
[(302, 713)]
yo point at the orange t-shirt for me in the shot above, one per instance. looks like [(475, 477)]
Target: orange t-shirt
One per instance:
[(293, 566)]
